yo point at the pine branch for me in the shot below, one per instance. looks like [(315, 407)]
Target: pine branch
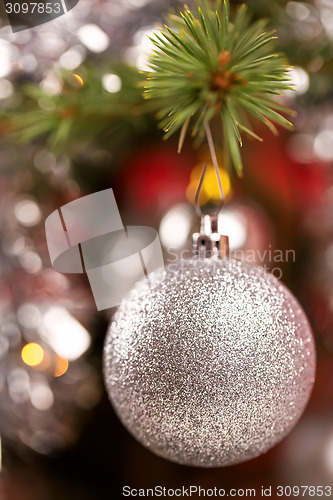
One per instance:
[(78, 116), (205, 65)]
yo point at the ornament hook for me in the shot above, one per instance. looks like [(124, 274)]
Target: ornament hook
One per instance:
[(212, 151), (209, 242)]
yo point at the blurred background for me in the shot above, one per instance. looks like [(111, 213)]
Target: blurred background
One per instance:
[(72, 122)]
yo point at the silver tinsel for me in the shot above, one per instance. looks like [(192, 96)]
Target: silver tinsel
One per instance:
[(212, 365)]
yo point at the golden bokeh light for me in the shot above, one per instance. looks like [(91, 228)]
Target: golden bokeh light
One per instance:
[(78, 78), (32, 354), (61, 366)]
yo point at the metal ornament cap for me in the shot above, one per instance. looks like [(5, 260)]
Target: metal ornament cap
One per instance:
[(209, 242), (212, 366)]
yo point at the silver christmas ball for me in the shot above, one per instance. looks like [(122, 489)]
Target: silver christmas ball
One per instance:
[(212, 365)]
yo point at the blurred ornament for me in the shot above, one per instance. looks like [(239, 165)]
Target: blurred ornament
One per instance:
[(294, 180), (214, 364), (155, 176)]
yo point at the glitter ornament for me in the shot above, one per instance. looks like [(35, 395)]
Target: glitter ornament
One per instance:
[(210, 364)]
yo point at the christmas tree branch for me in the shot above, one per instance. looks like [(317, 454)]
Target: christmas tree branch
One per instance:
[(204, 66)]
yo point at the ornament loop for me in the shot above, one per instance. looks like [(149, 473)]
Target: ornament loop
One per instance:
[(217, 172), (209, 243)]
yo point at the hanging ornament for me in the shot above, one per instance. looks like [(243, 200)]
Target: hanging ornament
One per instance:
[(212, 362), (213, 366)]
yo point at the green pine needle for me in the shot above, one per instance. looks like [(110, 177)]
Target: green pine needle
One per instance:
[(205, 66)]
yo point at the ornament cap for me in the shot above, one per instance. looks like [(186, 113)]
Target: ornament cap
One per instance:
[(209, 243)]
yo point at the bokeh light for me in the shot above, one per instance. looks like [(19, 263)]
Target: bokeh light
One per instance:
[(93, 37), (28, 212), (323, 145), (29, 315), (299, 79), (31, 262), (298, 10), (141, 49), (51, 83), (175, 226), (6, 89), (78, 78), (111, 83), (68, 338), (41, 395), (72, 58), (5, 58), (32, 354), (61, 366)]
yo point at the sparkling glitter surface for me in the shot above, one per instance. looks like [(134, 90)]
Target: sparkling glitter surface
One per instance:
[(211, 366)]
